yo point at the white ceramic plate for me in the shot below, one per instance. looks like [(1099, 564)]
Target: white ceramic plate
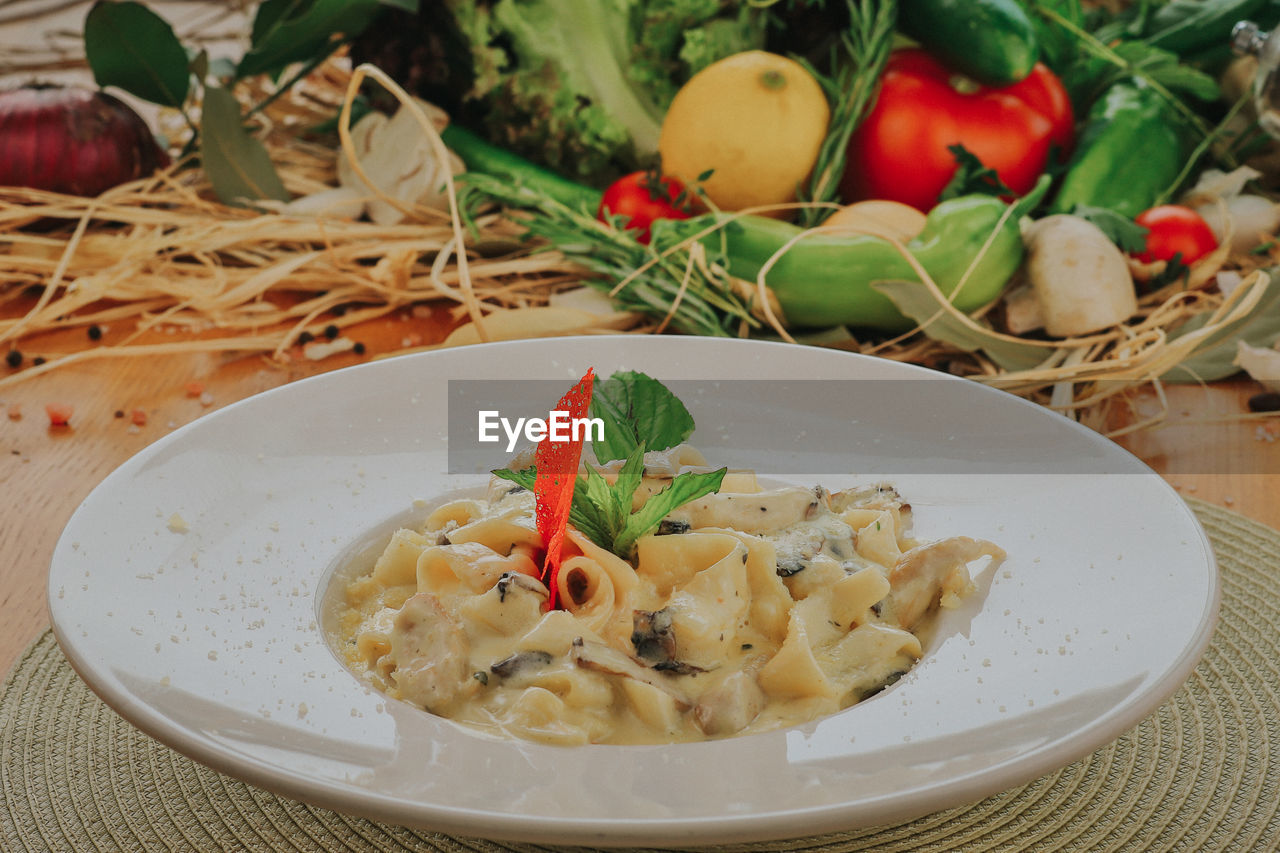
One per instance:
[(209, 639)]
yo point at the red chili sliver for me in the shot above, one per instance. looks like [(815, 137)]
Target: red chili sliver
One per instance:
[(59, 413), (557, 463)]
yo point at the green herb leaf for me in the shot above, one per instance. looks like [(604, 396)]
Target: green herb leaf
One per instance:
[(524, 478), (637, 410), (287, 31), (1128, 235), (198, 62), (1174, 271), (237, 165), (595, 502), (684, 488), (582, 514), (1164, 68), (639, 407), (972, 177), (851, 90), (130, 46)]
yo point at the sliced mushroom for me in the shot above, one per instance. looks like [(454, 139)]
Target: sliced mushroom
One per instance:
[(655, 640), (602, 658), (520, 662)]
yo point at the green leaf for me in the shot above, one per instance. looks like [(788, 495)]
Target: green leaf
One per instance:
[(288, 31), (198, 62), (595, 510), (684, 488), (130, 46), (237, 164), (1215, 358), (1128, 235), (1164, 68), (917, 302), (524, 478), (637, 410), (972, 177)]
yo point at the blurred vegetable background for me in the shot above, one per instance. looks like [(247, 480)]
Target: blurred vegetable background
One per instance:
[(1066, 199)]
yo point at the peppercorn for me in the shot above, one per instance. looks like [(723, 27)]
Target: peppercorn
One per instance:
[(359, 348), (38, 360), (331, 331), (1268, 401), (14, 358), (305, 337), (95, 332)]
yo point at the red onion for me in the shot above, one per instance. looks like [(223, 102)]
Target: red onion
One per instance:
[(72, 141)]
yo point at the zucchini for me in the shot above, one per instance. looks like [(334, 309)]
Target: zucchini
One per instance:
[(992, 41)]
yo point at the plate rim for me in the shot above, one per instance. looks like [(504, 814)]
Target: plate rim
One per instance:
[(759, 826)]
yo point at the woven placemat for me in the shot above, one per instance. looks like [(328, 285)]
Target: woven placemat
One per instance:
[(1201, 774)]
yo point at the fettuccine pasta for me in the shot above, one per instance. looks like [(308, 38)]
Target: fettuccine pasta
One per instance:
[(747, 610)]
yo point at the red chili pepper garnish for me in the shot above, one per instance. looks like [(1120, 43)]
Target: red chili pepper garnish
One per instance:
[(557, 463)]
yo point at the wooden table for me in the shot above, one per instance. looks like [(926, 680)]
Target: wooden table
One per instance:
[(46, 471)]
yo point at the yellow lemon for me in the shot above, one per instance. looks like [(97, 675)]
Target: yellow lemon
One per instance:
[(755, 120)]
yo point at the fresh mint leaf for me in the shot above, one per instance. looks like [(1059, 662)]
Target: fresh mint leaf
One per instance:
[(596, 502), (601, 510), (637, 410), (684, 488), (605, 508), (972, 177), (582, 512), (1128, 235), (524, 478)]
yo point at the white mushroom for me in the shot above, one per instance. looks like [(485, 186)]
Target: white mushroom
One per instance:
[(1262, 365), (1079, 277)]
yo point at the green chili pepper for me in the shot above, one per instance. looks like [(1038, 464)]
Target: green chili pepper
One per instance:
[(826, 279), (1131, 150)]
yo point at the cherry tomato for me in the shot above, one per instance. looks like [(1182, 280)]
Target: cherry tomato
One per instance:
[(1175, 230), (900, 150), (642, 198)]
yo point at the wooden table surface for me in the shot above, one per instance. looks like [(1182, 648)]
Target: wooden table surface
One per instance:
[(46, 471)]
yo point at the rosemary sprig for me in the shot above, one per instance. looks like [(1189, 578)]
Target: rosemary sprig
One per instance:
[(851, 89), (661, 280)]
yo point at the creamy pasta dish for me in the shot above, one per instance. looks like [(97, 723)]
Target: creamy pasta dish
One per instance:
[(747, 609)]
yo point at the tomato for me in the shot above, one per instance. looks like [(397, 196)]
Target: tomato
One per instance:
[(642, 198), (1175, 230), (900, 150)]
